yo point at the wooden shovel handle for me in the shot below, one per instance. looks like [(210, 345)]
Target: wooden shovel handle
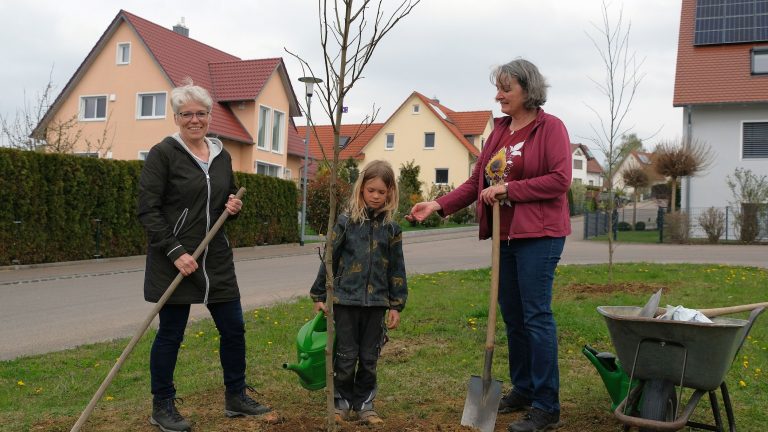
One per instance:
[(732, 309), (490, 334)]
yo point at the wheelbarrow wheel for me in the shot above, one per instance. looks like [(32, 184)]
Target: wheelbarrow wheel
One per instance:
[(658, 402)]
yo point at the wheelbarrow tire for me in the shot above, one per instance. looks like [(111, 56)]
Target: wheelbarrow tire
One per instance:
[(658, 402)]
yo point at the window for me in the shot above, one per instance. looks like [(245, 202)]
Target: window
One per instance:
[(123, 53), (759, 61), (93, 108), (143, 155), (415, 108), (429, 140), (277, 131), (577, 163), (268, 169), (755, 140), (151, 105), (441, 175), (261, 140), (87, 154), (288, 174), (577, 180), (591, 182), (390, 142), (344, 142)]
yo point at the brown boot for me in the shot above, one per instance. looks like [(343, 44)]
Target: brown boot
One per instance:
[(370, 418)]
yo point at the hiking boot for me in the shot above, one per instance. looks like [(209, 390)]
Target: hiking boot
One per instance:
[(536, 421), (167, 417), (240, 404), (370, 418), (513, 401), (341, 415)]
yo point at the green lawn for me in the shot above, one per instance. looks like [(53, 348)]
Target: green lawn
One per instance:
[(423, 370), (632, 237)]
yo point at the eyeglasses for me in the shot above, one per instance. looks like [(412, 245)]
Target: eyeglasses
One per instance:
[(187, 115)]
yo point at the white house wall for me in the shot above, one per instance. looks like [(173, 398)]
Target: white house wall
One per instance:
[(720, 126)]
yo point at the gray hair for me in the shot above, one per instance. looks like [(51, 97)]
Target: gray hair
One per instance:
[(528, 76), (188, 92)]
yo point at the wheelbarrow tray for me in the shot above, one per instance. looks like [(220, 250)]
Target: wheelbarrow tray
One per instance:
[(652, 348)]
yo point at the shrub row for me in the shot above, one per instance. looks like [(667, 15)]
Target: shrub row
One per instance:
[(52, 205)]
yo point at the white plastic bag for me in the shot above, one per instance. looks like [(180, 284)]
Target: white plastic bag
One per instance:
[(679, 313)]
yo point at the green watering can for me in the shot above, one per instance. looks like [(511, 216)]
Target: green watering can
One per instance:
[(310, 346), (614, 378)]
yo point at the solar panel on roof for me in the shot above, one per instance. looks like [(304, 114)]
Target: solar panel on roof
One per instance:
[(730, 21)]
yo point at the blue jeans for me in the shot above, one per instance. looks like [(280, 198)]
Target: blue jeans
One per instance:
[(527, 270), (228, 317)]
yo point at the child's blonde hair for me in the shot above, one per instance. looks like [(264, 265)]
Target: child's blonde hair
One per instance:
[(376, 169)]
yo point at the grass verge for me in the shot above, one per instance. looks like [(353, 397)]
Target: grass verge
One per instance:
[(423, 370)]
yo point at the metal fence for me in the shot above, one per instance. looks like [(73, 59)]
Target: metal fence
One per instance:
[(744, 224)]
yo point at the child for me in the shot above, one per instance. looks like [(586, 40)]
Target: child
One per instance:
[(369, 279)]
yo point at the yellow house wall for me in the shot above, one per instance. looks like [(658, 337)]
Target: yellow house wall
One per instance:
[(409, 130), (273, 96), (128, 134)]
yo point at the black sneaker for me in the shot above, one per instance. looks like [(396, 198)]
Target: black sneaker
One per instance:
[(167, 417), (536, 421), (240, 404), (513, 401)]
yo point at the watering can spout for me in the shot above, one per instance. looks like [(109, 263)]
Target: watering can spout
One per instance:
[(614, 378), (301, 368)]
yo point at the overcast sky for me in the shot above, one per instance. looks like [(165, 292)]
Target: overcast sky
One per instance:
[(444, 49)]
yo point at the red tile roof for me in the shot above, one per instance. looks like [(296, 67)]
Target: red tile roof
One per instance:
[(714, 73), (471, 122), (241, 79), (593, 166), (295, 140), (361, 134)]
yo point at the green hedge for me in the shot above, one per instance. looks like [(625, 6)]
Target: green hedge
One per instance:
[(59, 198)]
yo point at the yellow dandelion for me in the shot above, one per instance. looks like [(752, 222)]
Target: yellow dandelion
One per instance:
[(746, 365), (20, 383), (183, 346), (269, 342), (758, 371), (215, 351), (275, 322), (38, 390), (742, 383), (96, 365), (109, 398)]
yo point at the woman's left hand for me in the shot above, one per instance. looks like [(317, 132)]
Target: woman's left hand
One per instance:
[(233, 205), (488, 195), (393, 320)]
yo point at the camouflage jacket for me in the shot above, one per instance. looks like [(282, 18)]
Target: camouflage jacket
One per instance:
[(368, 265)]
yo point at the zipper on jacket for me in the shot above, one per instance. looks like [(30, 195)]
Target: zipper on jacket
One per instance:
[(207, 229)]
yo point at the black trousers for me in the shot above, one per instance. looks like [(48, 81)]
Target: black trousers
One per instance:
[(359, 337)]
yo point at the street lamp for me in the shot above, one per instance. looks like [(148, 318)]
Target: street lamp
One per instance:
[(309, 83)]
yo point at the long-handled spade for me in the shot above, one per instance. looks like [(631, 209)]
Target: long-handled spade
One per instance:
[(143, 328), (484, 394)]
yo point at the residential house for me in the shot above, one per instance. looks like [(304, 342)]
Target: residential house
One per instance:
[(119, 97), (636, 159), (444, 143), (721, 83), (586, 169)]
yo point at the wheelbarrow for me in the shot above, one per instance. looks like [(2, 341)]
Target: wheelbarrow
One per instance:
[(663, 356)]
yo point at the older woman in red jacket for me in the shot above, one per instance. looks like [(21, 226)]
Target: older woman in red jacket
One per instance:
[(530, 152)]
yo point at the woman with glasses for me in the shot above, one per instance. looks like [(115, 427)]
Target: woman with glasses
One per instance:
[(186, 184)]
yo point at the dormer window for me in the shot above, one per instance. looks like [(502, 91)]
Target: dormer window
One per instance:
[(124, 53), (760, 61)]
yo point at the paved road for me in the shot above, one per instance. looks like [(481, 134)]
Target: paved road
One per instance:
[(53, 307)]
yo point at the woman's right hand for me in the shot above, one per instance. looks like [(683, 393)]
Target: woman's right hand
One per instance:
[(186, 264), (422, 210)]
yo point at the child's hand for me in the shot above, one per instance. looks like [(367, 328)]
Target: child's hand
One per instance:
[(318, 306), (393, 320)]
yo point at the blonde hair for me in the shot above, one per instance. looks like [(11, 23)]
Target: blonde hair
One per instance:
[(376, 169)]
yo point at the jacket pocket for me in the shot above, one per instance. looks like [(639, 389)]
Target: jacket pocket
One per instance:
[(180, 221)]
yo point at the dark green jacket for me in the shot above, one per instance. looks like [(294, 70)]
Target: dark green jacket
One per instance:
[(368, 265)]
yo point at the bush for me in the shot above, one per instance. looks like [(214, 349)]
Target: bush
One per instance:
[(465, 215), (624, 226), (713, 223), (676, 227), (318, 200), (640, 226)]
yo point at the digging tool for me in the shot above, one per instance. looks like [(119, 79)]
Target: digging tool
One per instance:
[(143, 328), (723, 310), (484, 394)]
